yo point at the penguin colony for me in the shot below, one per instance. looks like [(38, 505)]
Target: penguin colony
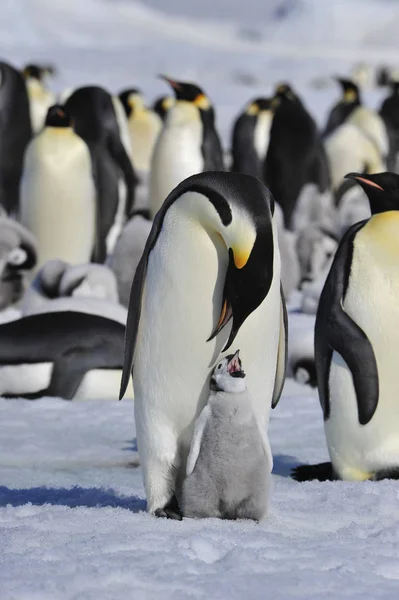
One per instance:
[(135, 248)]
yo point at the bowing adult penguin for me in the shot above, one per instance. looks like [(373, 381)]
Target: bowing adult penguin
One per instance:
[(15, 133), (40, 97), (187, 144), (93, 113), (58, 192), (209, 275), (356, 346), (295, 155), (251, 133)]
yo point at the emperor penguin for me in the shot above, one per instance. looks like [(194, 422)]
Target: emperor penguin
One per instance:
[(209, 275), (144, 127), (187, 144), (161, 106), (94, 115), (295, 156), (356, 344), (58, 192), (389, 111), (15, 133), (40, 97), (229, 464), (250, 138)]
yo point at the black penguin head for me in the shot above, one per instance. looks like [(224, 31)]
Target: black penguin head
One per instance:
[(38, 72), (382, 190), (162, 105), (57, 116), (189, 92), (260, 104), (394, 85), (127, 99), (284, 91), (350, 91)]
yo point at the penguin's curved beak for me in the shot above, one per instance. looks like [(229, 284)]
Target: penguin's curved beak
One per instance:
[(363, 180), (174, 84)]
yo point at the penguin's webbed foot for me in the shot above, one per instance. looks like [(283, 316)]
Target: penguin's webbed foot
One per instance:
[(319, 472), (170, 511)]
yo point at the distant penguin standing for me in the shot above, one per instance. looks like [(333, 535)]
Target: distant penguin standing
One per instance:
[(356, 347), (40, 97), (229, 464), (295, 155), (187, 144), (95, 121), (161, 106), (144, 127), (389, 112), (15, 133), (58, 192), (209, 275), (250, 138)]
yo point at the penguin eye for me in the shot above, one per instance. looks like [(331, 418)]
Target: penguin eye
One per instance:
[(219, 366), (17, 257)]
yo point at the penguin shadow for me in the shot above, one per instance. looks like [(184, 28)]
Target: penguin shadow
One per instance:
[(283, 464), (75, 497)]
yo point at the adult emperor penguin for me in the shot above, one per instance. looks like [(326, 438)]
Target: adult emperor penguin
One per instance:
[(40, 97), (187, 144), (58, 192), (229, 465), (250, 138), (209, 275), (293, 160), (144, 127), (94, 115), (15, 133), (356, 344)]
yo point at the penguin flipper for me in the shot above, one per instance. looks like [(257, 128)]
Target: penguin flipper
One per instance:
[(212, 150), (119, 155), (336, 330), (282, 356), (197, 439), (245, 158)]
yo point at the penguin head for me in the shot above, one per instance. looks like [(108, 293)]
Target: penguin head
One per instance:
[(57, 116), (189, 92), (381, 189), (39, 72), (260, 104), (162, 105), (350, 91), (131, 99), (228, 375), (283, 91)]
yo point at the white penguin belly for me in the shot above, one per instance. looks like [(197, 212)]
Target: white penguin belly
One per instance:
[(102, 384), (144, 129), (24, 378), (262, 133), (357, 451), (177, 155)]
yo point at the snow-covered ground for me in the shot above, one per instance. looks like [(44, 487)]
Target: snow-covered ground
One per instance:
[(72, 508)]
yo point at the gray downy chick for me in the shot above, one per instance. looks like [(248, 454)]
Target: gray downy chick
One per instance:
[(229, 465)]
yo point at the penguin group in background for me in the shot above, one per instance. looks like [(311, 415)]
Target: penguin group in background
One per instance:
[(356, 344), (15, 133), (295, 155), (161, 106), (250, 137), (229, 464), (58, 192), (389, 112), (95, 121), (144, 127), (40, 97), (209, 276), (187, 144)]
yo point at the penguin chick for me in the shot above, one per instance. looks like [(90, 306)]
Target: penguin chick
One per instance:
[(228, 468)]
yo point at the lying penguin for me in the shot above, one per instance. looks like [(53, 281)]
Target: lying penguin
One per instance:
[(229, 465)]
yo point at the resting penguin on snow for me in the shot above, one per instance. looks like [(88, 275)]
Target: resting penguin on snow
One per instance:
[(95, 120), (58, 192), (229, 465), (250, 137), (356, 347), (295, 156), (187, 144), (209, 275), (40, 97)]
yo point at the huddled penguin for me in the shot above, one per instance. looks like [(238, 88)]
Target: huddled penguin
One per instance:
[(295, 155), (15, 133), (250, 138), (161, 106), (209, 276), (389, 112), (18, 256), (70, 354), (58, 192), (127, 252), (95, 121), (187, 144), (356, 347), (229, 464), (144, 127), (40, 97)]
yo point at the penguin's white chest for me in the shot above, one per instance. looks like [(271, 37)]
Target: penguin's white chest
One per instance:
[(372, 302), (144, 129), (262, 133)]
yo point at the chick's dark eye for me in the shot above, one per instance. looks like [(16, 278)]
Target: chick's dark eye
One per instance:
[(220, 366)]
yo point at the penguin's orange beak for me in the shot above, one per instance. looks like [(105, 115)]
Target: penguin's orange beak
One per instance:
[(174, 84), (364, 180)]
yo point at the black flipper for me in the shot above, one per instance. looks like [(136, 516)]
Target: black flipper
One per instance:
[(119, 155), (245, 158), (336, 330), (321, 472), (212, 150)]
